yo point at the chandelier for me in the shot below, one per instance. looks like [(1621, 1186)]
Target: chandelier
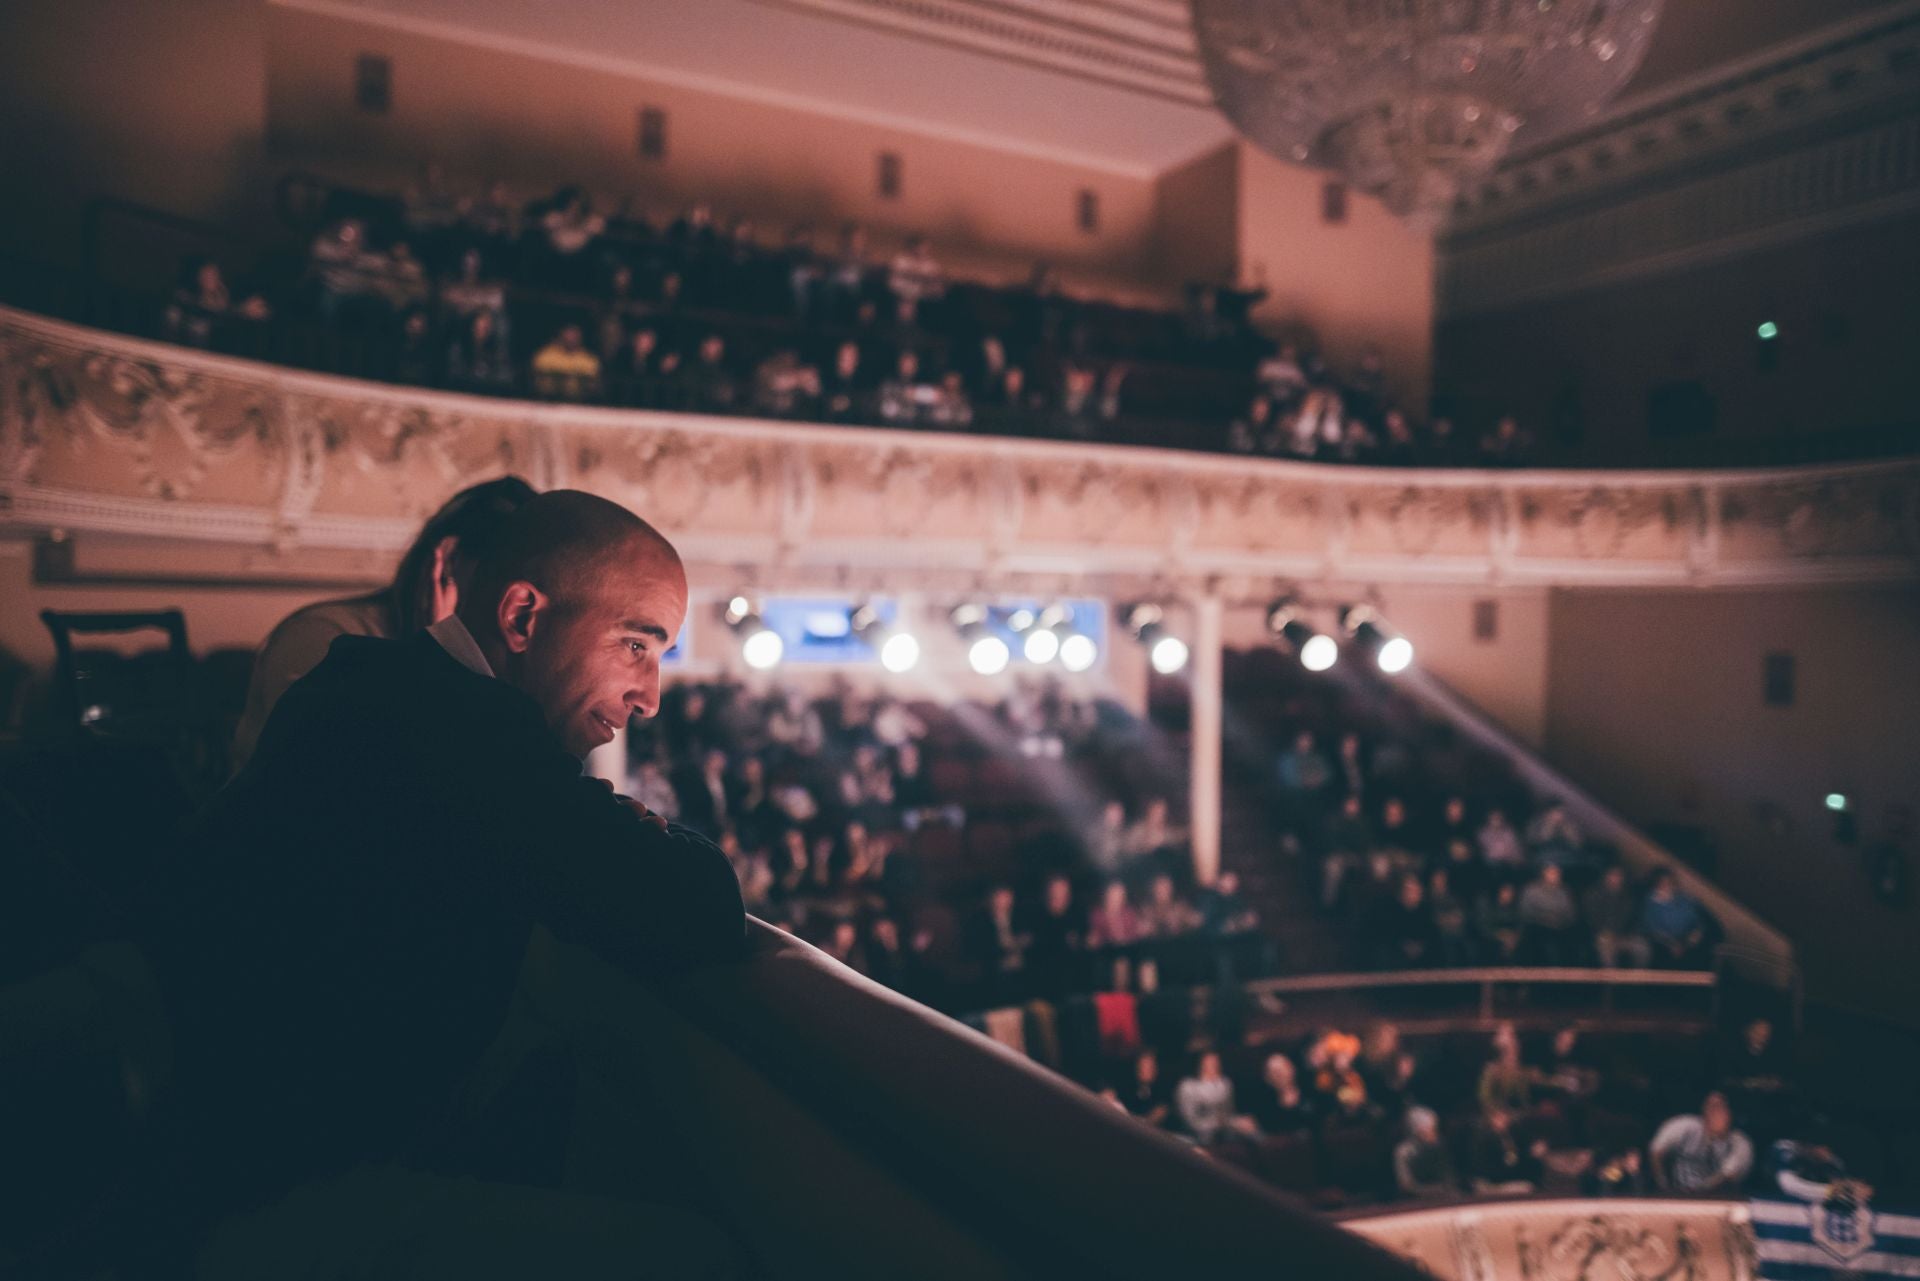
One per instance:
[(1415, 101)]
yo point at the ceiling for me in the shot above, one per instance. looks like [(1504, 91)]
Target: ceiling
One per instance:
[(1114, 84)]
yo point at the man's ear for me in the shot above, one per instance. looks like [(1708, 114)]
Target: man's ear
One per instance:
[(522, 606)]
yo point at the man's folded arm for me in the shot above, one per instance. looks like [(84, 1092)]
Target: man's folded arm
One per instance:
[(608, 879)]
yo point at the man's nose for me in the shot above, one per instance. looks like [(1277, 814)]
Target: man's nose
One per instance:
[(644, 701)]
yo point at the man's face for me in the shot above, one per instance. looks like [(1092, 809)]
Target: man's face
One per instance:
[(594, 662)]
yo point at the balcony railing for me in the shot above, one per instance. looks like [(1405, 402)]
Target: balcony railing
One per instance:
[(104, 433)]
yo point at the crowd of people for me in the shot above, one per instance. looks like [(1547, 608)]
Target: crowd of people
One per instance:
[(1349, 1118), (552, 298), (845, 825)]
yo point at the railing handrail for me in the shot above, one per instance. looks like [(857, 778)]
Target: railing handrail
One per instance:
[(1471, 976)]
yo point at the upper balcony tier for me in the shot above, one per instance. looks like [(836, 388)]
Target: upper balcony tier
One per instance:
[(102, 433)]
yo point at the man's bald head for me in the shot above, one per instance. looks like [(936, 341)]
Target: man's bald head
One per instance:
[(568, 544), (575, 601)]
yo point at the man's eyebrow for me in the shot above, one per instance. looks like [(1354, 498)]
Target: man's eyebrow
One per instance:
[(654, 630)]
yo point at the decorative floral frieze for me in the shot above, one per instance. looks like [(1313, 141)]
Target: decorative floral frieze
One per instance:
[(104, 432)]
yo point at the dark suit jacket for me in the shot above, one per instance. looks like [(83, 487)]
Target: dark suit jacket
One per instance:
[(342, 930)]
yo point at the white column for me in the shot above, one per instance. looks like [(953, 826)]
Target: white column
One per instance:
[(1204, 725)]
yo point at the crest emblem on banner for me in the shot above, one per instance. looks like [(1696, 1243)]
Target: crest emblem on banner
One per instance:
[(1843, 1223)]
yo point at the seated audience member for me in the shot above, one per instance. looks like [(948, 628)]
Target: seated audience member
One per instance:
[(1499, 925), (1397, 447), (783, 387), (477, 357), (649, 784), (1500, 847), (1114, 923), (1506, 445), (1550, 918), (201, 303), (1338, 1087), (1204, 1104), (1674, 923), (1811, 1172), (1612, 916), (1147, 1094), (1106, 845), (469, 291), (1224, 910), (1447, 920), (346, 268), (1152, 835), (564, 369), (1255, 431), (889, 962), (571, 225), (843, 945), (1280, 1107), (494, 217), (703, 791), (1165, 914), (844, 392), (1280, 375), (751, 868), (951, 409), (1498, 1162), (431, 206), (1506, 1084), (1554, 837), (1303, 770), (906, 398), (1058, 936), (426, 587), (1754, 1062), (846, 280), (915, 277), (401, 280), (707, 383), (1466, 874), (1405, 932), (998, 945), (1701, 1154), (1422, 1166), (1345, 838), (642, 371), (1622, 1175)]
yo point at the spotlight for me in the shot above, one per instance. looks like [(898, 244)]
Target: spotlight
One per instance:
[(760, 645), (1319, 652), (899, 652), (898, 648), (1392, 652), (1315, 650), (762, 648), (1078, 652), (1042, 645), (1168, 655), (988, 655), (1167, 652), (1838, 802)]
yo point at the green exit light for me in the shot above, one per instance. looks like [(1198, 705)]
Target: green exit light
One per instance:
[(1768, 330), (1837, 801)]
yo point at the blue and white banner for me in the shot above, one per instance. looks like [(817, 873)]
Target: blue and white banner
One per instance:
[(1839, 1238)]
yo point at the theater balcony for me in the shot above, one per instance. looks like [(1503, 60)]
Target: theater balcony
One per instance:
[(112, 448)]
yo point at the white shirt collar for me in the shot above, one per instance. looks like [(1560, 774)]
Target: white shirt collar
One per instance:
[(458, 641)]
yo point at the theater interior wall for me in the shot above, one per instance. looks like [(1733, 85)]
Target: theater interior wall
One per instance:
[(1655, 705), (1578, 368)]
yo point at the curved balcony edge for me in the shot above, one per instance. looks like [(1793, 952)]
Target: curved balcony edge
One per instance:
[(113, 435)]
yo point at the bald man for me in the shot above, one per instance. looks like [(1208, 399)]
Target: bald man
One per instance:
[(347, 921)]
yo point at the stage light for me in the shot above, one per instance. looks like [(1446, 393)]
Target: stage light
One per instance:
[(988, 655), (1041, 645), (737, 611), (899, 652), (1319, 652), (1166, 652), (899, 649), (1168, 655), (1078, 653), (1315, 650), (762, 647), (1768, 331), (1392, 653), (1837, 802)]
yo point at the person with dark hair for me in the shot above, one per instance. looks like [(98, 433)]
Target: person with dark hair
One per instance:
[(426, 588), (337, 937)]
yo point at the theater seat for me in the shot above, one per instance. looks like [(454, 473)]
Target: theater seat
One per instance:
[(850, 1132)]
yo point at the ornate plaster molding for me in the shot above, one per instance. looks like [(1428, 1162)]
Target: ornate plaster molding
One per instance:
[(108, 434)]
